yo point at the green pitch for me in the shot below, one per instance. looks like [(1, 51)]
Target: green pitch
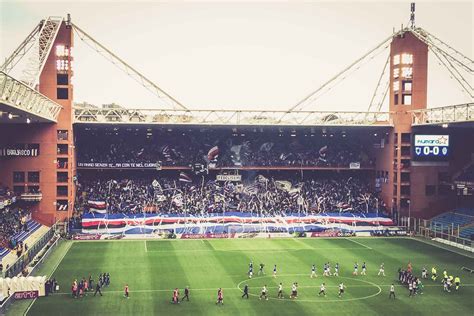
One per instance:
[(153, 269)]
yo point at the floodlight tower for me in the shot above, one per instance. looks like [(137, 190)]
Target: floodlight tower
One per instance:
[(51, 172), (405, 191)]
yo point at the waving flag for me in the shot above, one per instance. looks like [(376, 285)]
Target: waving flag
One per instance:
[(261, 179), (178, 200), (183, 177), (266, 146), (97, 206), (323, 150), (283, 185), (285, 156), (251, 189), (213, 153)]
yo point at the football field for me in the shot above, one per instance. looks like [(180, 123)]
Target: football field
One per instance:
[(153, 268)]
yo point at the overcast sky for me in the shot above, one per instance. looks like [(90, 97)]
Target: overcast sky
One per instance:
[(241, 55)]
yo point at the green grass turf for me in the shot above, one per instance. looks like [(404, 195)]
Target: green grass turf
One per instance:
[(153, 268)]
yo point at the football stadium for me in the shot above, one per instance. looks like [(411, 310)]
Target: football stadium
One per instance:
[(299, 208)]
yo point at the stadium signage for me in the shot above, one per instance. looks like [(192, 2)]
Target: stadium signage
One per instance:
[(18, 152), (23, 295), (432, 140), (208, 235), (229, 177), (112, 165), (354, 165)]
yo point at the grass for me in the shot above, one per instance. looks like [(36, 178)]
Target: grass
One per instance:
[(154, 268)]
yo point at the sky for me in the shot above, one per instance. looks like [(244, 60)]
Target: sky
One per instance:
[(241, 55)]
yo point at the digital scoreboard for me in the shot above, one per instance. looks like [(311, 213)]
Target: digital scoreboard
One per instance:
[(431, 147)]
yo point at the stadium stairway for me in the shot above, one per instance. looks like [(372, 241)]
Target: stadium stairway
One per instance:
[(35, 230)]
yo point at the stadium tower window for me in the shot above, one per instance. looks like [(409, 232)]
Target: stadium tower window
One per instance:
[(18, 189), (407, 99), (62, 79), (396, 85), (406, 137), (61, 190), (62, 177), (18, 177), (430, 190), (62, 134), (395, 101), (62, 149), (407, 85), (396, 60), (34, 176), (62, 93)]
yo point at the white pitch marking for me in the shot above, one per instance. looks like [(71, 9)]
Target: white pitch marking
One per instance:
[(57, 265), (359, 243)]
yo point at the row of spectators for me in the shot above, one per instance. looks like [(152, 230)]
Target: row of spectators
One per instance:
[(224, 148), (266, 196)]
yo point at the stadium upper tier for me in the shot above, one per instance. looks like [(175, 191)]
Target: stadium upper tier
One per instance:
[(221, 147)]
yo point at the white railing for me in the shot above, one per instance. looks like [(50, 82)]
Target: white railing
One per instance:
[(18, 95), (228, 117), (444, 115)]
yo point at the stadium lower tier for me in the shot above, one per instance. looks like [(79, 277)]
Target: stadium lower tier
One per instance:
[(21, 236), (234, 222)]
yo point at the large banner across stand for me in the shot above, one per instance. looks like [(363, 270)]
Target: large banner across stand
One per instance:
[(232, 222)]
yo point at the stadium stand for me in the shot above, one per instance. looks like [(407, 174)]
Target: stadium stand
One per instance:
[(467, 175), (265, 195), (455, 219), (184, 146)]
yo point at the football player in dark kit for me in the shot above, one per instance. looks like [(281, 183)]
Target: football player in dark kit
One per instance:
[(246, 291), (186, 294), (97, 289)]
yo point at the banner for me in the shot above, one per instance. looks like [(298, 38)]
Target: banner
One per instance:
[(230, 222), (229, 177), (19, 152), (354, 165), (112, 165)]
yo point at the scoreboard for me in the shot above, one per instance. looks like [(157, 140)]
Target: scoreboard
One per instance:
[(431, 147)]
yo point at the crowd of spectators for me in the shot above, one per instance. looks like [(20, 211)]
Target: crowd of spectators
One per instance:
[(183, 147), (263, 196), (12, 221)]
